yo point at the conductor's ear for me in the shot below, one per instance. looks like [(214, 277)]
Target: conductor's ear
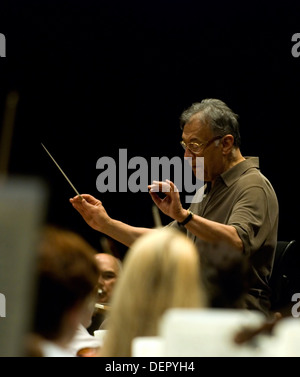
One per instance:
[(227, 142)]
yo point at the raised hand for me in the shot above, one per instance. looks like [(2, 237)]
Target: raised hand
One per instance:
[(92, 211), (170, 205)]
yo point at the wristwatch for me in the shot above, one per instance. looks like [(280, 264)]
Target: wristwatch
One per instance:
[(187, 219)]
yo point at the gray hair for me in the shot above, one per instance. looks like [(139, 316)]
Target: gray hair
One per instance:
[(217, 115)]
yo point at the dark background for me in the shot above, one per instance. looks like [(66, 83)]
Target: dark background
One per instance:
[(97, 76)]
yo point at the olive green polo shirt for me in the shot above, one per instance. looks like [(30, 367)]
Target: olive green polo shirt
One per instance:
[(244, 198)]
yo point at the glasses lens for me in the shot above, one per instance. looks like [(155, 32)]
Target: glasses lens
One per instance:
[(194, 147)]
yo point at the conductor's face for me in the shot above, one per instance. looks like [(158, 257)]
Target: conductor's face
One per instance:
[(199, 141)]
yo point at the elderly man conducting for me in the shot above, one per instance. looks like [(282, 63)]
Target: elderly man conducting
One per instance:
[(239, 207)]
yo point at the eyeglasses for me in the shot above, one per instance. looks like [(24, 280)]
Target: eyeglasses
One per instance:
[(197, 148)]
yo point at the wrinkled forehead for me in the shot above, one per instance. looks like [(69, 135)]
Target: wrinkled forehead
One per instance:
[(196, 128)]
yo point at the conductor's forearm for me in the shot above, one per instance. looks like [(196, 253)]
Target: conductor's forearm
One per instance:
[(124, 233)]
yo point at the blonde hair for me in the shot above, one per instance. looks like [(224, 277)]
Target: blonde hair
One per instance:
[(161, 270)]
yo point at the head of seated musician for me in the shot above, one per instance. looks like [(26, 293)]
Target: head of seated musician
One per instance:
[(110, 268)]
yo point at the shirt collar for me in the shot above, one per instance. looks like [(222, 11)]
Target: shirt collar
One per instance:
[(231, 175)]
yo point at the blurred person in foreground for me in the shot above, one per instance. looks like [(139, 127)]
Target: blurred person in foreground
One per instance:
[(160, 271), (67, 277), (226, 276)]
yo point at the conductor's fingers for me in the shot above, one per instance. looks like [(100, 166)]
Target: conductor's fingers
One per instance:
[(85, 197), (160, 186), (172, 185), (155, 197)]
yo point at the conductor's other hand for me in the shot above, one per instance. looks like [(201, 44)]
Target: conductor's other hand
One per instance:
[(170, 204), (92, 211)]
